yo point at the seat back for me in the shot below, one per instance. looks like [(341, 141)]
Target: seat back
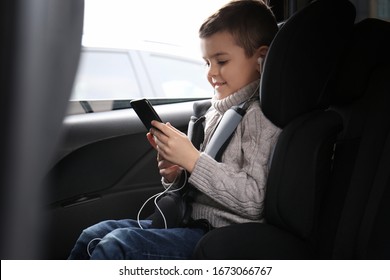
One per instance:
[(295, 94), (355, 219)]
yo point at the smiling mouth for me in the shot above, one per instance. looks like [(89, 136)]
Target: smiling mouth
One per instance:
[(219, 84)]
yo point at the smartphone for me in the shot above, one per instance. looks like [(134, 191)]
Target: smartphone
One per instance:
[(145, 111)]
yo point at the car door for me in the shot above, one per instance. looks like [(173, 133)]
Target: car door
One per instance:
[(105, 169)]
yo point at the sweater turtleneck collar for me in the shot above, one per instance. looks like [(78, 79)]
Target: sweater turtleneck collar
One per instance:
[(236, 98)]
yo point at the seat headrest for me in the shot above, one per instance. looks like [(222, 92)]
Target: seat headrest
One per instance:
[(302, 58), (368, 51)]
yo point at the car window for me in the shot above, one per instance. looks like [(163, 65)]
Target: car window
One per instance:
[(112, 72), (107, 79), (177, 77), (104, 75)]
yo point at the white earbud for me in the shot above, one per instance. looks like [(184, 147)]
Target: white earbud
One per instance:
[(259, 60)]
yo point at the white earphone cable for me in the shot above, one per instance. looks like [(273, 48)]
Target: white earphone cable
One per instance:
[(157, 196)]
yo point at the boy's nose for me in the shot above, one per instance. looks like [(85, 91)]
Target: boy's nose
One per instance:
[(212, 71)]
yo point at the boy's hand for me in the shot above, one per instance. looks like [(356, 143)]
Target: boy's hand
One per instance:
[(174, 146), (168, 170)]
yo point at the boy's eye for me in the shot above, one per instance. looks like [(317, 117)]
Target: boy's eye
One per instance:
[(221, 62)]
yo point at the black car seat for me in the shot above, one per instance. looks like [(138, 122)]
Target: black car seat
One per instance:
[(295, 95), (40, 50), (355, 222)]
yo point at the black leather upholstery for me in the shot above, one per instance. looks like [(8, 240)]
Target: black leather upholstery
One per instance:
[(355, 221)]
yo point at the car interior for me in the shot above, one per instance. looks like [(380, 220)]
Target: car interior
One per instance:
[(325, 83)]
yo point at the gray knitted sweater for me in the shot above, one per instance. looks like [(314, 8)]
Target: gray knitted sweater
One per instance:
[(232, 191)]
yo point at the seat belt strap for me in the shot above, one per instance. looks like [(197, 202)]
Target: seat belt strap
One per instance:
[(223, 132), (225, 129)]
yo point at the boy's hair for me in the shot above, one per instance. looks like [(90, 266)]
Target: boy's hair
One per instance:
[(251, 23)]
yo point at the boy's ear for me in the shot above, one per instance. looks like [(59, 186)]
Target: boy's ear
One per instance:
[(261, 53)]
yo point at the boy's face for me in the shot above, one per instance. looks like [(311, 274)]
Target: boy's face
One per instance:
[(228, 67)]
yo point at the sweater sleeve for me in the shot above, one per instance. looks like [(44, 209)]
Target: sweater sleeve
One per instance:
[(238, 182)]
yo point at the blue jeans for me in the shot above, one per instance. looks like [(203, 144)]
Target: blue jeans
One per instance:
[(124, 239)]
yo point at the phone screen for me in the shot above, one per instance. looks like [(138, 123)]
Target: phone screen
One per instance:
[(145, 111)]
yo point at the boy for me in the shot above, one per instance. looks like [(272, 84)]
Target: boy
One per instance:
[(234, 43)]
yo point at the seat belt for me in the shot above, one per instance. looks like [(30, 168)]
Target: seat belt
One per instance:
[(225, 130)]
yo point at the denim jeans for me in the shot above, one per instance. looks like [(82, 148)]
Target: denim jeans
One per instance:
[(124, 239)]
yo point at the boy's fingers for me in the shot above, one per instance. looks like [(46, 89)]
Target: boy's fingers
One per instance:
[(151, 140), (162, 129)]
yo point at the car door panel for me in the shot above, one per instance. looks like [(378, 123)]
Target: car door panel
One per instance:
[(106, 169)]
